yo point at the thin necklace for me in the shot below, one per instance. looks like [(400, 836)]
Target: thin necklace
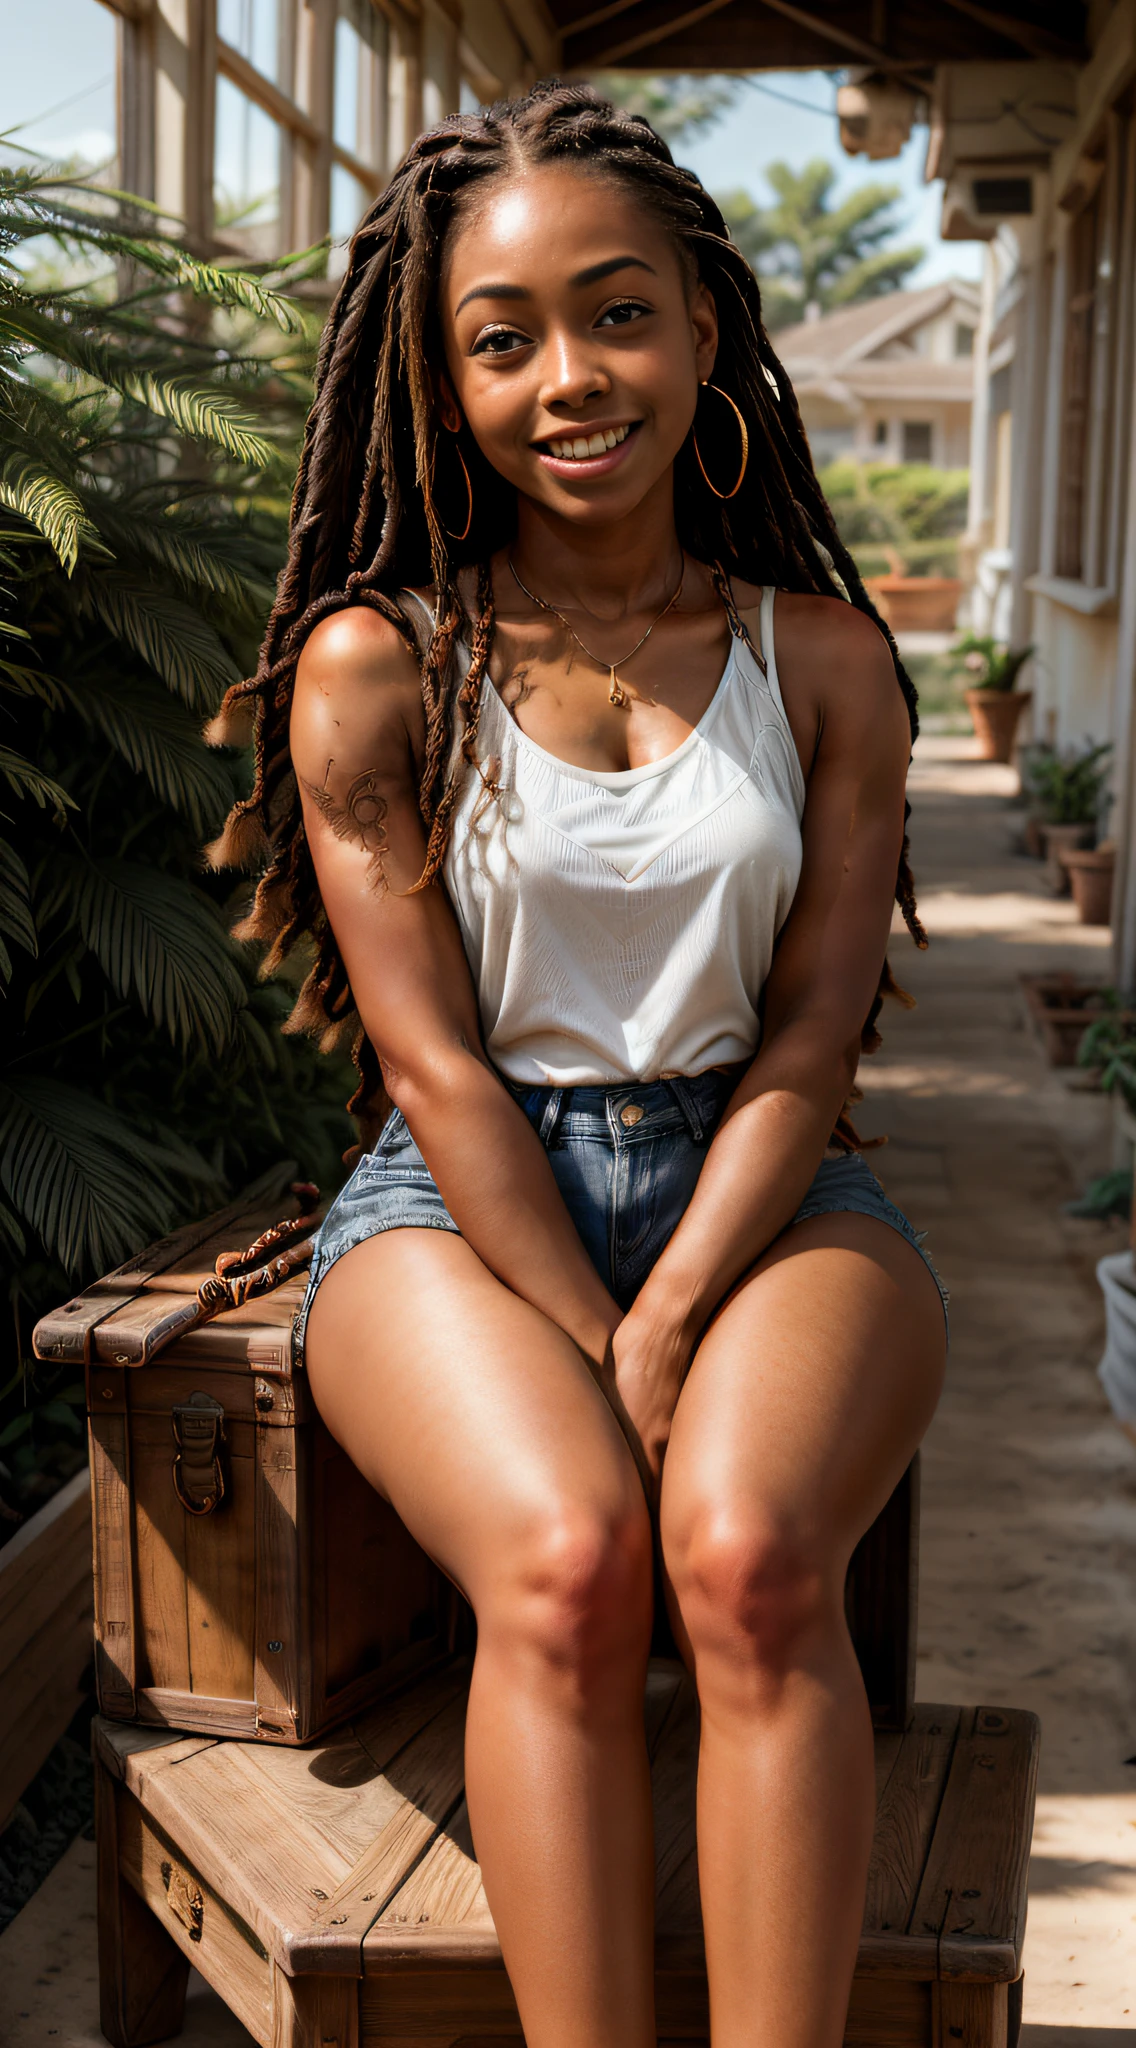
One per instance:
[(616, 694)]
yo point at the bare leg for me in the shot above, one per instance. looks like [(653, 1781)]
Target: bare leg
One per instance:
[(805, 1402), (481, 1423)]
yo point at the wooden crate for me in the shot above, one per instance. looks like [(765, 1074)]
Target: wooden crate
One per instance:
[(332, 1896), (45, 1633), (298, 1597)]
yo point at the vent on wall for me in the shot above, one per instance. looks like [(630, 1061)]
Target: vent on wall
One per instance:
[(1003, 195)]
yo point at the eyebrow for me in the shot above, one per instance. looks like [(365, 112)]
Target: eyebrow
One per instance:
[(592, 275)]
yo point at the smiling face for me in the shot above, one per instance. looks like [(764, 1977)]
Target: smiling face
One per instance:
[(575, 342)]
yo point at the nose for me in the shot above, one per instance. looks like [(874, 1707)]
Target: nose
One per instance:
[(571, 376)]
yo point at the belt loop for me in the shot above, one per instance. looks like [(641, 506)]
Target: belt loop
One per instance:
[(684, 1095), (549, 1127)]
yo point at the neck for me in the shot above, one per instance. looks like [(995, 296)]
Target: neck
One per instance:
[(627, 566)]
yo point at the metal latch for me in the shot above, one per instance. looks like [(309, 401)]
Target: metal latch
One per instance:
[(199, 1432)]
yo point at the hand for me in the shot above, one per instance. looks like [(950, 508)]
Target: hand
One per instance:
[(649, 1362)]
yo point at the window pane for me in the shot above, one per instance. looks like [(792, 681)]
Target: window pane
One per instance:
[(57, 88), (246, 173), (348, 55), (253, 28), (348, 204), (917, 440)]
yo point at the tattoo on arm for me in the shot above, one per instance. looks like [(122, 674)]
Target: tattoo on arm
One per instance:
[(359, 821)]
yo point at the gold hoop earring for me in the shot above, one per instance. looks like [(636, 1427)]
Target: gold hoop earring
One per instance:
[(469, 496), (736, 410)]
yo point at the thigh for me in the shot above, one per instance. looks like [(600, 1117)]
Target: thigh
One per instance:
[(476, 1416), (811, 1389)]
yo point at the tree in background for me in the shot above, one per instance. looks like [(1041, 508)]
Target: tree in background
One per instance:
[(810, 253), (149, 422), (898, 518), (679, 108)]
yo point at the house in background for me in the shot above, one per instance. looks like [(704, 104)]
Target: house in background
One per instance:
[(890, 380)]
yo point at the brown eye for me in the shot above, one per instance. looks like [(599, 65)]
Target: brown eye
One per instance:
[(619, 315), (499, 341)]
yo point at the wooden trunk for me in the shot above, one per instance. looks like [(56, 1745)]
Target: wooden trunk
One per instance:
[(248, 1582), (298, 1597)]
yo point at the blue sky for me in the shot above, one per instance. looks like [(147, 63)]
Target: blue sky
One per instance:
[(58, 77)]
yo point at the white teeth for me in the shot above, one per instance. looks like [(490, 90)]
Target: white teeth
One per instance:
[(579, 449)]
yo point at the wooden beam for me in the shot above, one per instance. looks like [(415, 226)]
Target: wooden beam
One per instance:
[(130, 10), (597, 16), (661, 30), (1039, 42), (871, 53), (235, 66)]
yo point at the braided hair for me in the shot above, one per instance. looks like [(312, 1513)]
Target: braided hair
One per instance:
[(365, 523)]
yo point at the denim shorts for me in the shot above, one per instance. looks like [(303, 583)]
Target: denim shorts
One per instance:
[(626, 1159)]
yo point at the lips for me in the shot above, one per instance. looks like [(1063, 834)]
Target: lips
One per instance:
[(585, 447)]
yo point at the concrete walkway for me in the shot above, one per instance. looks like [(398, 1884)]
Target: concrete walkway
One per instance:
[(1028, 1568), (1029, 1512)]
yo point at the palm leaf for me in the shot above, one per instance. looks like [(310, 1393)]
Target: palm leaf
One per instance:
[(16, 918), (174, 639), (80, 1175), (28, 781), (49, 504), (161, 942), (158, 739)]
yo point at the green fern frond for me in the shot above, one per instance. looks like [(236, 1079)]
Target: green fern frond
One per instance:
[(198, 412), (50, 505), (159, 739), (27, 780), (210, 565), (160, 942), (78, 1174), (175, 640)]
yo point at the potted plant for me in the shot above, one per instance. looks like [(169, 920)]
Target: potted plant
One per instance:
[(1090, 870), (993, 702), (1069, 791)]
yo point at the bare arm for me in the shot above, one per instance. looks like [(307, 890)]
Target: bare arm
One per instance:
[(356, 734), (841, 688)]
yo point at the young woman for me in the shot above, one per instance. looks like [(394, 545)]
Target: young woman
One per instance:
[(586, 783)]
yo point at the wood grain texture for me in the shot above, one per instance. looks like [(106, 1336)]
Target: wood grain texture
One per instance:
[(282, 1671), (142, 1974), (314, 2012), (186, 1910), (427, 1775), (973, 1892), (906, 1813), (970, 2015), (114, 1560)]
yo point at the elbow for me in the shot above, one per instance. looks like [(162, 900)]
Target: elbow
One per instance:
[(427, 1077)]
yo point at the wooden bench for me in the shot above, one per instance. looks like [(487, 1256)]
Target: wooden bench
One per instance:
[(331, 1894)]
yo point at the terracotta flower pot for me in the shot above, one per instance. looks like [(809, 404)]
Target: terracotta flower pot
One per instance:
[(916, 604), (996, 714), (1060, 840), (1090, 870)]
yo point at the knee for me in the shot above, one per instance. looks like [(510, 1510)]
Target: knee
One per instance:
[(753, 1591), (576, 1596)]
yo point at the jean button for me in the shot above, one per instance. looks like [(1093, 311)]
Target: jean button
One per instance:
[(631, 1113)]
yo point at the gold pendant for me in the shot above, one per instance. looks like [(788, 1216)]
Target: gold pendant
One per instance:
[(616, 695)]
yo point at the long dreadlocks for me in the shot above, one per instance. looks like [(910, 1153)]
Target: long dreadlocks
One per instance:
[(365, 526)]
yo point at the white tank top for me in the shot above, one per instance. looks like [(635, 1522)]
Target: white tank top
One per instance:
[(619, 925)]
